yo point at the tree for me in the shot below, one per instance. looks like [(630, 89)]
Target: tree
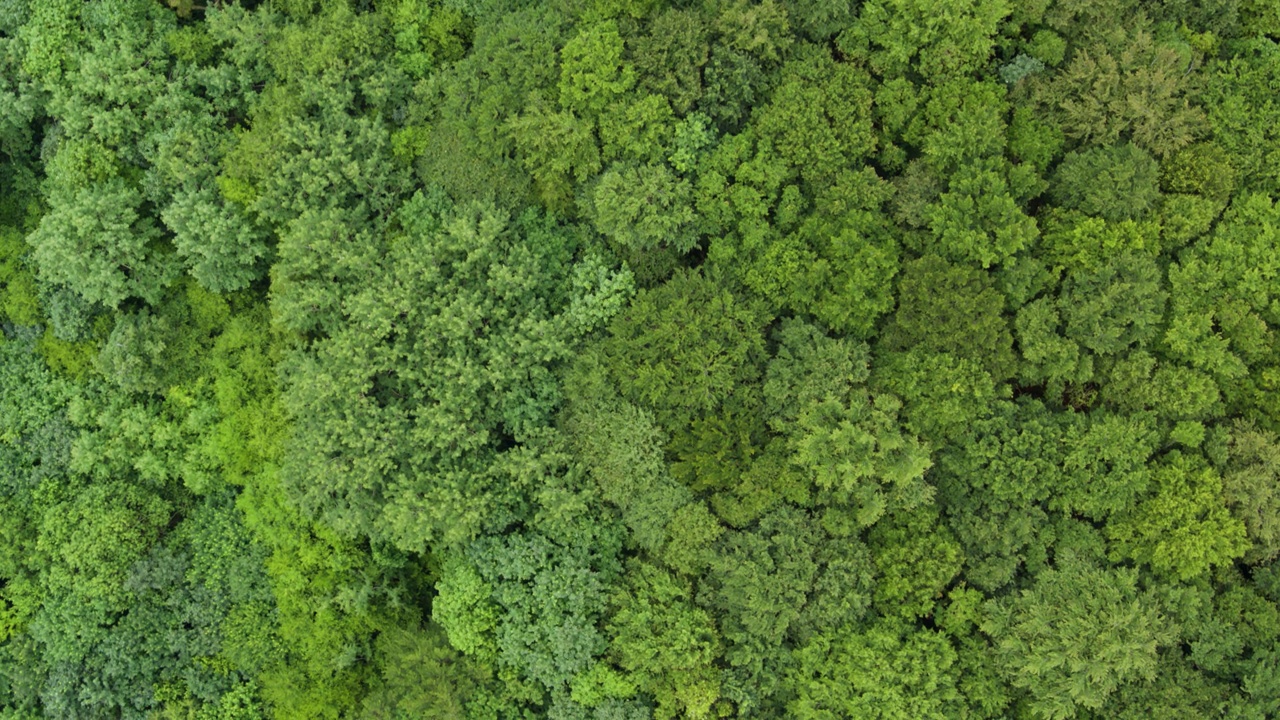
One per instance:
[(1249, 483), (669, 57), (1171, 391), (939, 42), (1075, 241), (820, 20), (942, 394), (644, 207), (638, 130), (1184, 528), (380, 446), (953, 309), (757, 586), (957, 122), (748, 43), (209, 91), (887, 670), (467, 107), (421, 677), (556, 148), (1047, 356), (592, 71), (1239, 107), (622, 449), (634, 360), (101, 70), (666, 642), (1090, 96), (1115, 307), (1115, 183), (844, 440), (550, 599), (1105, 466), (977, 219), (992, 485), (843, 590), (682, 348), (1221, 298), (221, 247), (827, 262), (916, 557), (818, 119), (1078, 633), (1178, 691), (96, 242)]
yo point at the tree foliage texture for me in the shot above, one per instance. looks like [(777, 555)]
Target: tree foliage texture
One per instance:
[(639, 359)]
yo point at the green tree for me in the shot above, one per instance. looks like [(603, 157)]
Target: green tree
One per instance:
[(494, 303), (1184, 528), (1240, 110), (756, 587), (978, 219), (682, 348), (887, 670), (668, 644), (1114, 183), (992, 487), (550, 599), (1078, 633), (916, 557), (1249, 483), (1115, 307), (644, 207), (592, 70), (96, 242), (1090, 97), (670, 55), (938, 42), (953, 309), (942, 394), (749, 41), (421, 677), (818, 119), (846, 441)]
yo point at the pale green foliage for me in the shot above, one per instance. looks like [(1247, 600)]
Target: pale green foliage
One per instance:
[(1184, 528), (592, 72), (889, 671), (665, 642), (464, 608), (495, 304), (644, 207), (1092, 95), (940, 40), (1076, 635), (97, 243)]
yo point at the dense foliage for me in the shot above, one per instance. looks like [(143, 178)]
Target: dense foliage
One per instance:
[(639, 359)]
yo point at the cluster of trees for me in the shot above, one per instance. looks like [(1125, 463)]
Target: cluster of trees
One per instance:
[(639, 359)]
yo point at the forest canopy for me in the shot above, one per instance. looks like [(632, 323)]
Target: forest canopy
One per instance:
[(639, 359)]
